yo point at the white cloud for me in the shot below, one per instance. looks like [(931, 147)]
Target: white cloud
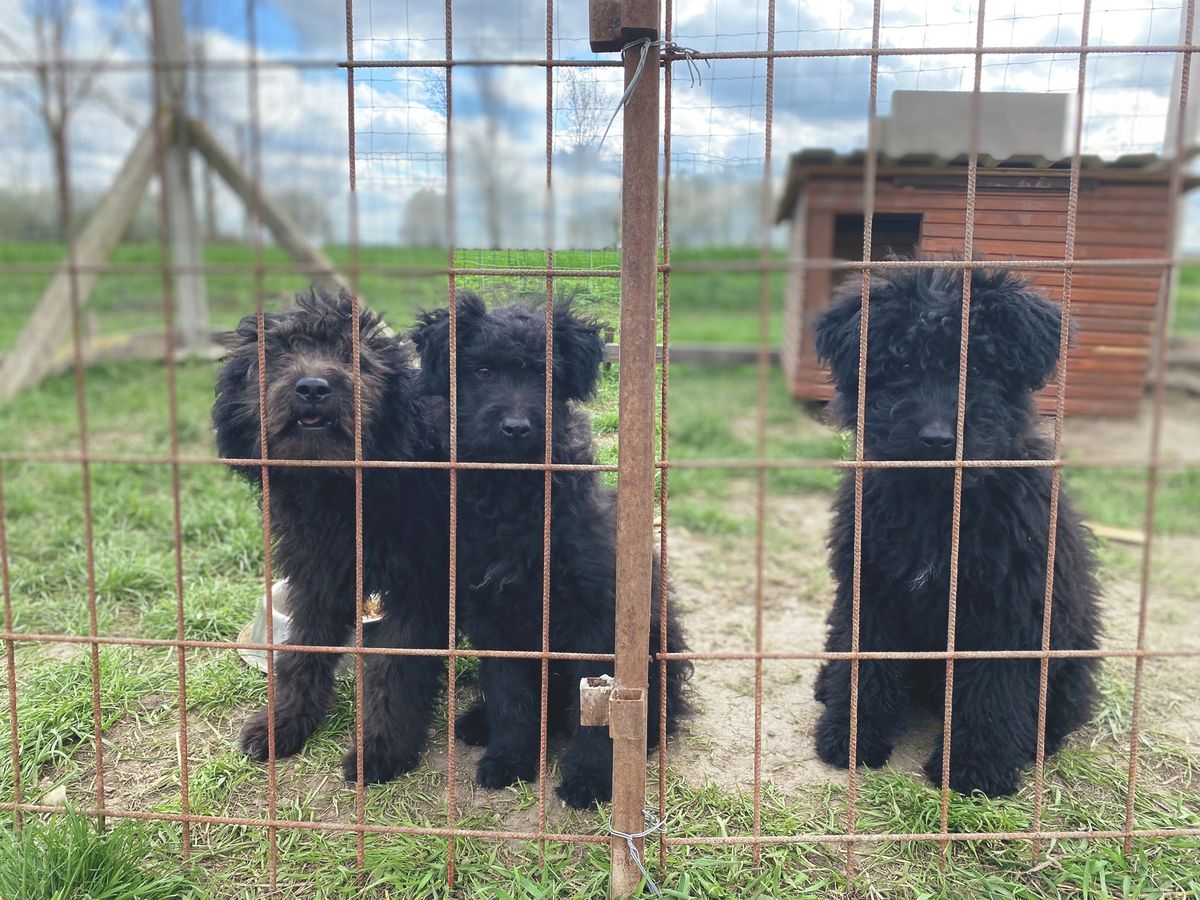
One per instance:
[(718, 126)]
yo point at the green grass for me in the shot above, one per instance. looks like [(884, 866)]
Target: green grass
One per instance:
[(712, 415), (1185, 320), (54, 707), (68, 857), (1117, 497), (706, 306)]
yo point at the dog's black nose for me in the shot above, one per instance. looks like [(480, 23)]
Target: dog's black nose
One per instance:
[(516, 427), (937, 437), (314, 390)]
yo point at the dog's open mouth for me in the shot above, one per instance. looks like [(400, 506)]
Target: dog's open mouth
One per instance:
[(313, 422)]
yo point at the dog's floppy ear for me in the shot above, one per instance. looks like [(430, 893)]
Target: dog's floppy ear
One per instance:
[(1023, 329), (837, 338), (245, 333), (235, 422), (431, 335), (237, 364), (578, 353)]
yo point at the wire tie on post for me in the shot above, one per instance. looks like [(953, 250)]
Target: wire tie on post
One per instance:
[(653, 824), (671, 52)]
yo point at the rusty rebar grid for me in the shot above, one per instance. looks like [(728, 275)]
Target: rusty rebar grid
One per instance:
[(1154, 264), (759, 465), (869, 168), (664, 474), (547, 438), (168, 289), (760, 426), (470, 653), (67, 217), (91, 64), (1154, 467), (255, 153), (730, 464), (974, 127), (354, 276), (1060, 393)]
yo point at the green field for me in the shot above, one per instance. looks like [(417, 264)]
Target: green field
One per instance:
[(720, 307), (711, 415)]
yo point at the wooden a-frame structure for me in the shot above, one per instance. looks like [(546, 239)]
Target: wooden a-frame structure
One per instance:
[(173, 134)]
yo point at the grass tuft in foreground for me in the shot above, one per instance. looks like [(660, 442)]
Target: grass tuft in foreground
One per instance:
[(64, 857)]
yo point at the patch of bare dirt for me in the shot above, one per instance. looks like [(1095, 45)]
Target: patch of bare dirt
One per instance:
[(1103, 439), (715, 584), (716, 588)]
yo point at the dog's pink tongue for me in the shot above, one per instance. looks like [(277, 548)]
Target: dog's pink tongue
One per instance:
[(310, 420)]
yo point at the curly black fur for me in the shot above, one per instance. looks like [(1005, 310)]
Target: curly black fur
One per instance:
[(911, 413), (309, 412), (501, 418)]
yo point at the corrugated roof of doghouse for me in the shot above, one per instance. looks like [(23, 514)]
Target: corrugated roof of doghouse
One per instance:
[(807, 163)]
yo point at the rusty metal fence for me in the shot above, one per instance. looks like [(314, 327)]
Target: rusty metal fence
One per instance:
[(634, 29)]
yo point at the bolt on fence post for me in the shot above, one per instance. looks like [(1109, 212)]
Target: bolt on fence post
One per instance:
[(635, 467)]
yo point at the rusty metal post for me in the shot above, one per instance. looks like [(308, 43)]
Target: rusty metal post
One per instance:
[(635, 466)]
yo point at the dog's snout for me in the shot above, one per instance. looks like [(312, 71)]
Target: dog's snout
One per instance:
[(936, 436), (314, 390), (516, 428)]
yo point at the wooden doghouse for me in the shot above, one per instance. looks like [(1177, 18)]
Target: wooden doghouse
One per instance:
[(1020, 213)]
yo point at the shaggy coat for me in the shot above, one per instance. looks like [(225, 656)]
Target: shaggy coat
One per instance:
[(911, 413), (502, 418), (309, 415)]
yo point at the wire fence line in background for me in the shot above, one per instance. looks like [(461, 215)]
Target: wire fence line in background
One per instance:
[(645, 240)]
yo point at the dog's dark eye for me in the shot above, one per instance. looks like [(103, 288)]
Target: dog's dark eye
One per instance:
[(483, 372)]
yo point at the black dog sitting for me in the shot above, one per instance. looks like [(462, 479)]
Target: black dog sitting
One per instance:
[(309, 415), (911, 413), (501, 418)]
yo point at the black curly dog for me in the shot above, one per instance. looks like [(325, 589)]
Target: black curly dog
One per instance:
[(501, 418), (911, 413), (309, 415)]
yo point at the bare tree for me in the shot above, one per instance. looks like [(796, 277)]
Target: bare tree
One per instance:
[(308, 211), (434, 83), (425, 219), (487, 168), (58, 90), (588, 108)]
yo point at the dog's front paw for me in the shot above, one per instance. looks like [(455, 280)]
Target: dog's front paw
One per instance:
[(583, 789), (497, 772), (973, 773), (379, 765), (833, 744), (254, 739), (472, 726)]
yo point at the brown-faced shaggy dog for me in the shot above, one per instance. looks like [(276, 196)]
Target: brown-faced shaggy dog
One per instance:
[(309, 415)]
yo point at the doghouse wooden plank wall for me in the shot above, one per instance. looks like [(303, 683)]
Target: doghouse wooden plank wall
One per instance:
[(1020, 213)]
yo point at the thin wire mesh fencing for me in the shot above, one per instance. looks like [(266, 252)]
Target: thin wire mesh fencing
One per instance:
[(851, 837), (436, 63)]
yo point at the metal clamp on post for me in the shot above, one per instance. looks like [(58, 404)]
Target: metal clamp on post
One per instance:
[(594, 694), (627, 714), (614, 23), (623, 710)]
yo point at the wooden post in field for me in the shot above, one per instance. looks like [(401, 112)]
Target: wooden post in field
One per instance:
[(183, 231), (289, 235), (33, 354)]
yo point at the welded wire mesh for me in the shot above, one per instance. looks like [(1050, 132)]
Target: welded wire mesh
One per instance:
[(426, 154)]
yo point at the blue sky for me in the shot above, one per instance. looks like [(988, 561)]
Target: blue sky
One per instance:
[(499, 127)]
